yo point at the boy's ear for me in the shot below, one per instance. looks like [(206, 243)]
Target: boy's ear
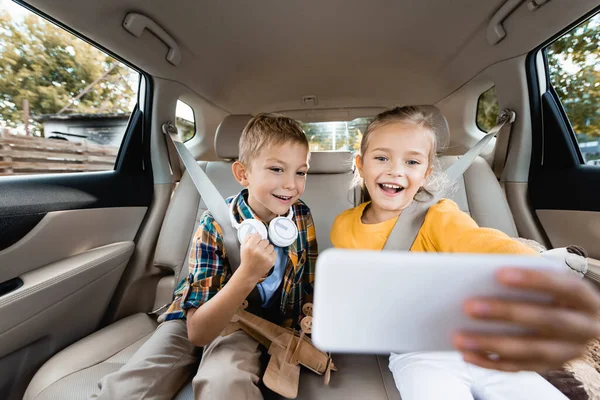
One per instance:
[(359, 164), (240, 173)]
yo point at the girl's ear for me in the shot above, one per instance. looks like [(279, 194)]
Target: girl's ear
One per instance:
[(240, 173), (359, 164), (429, 171)]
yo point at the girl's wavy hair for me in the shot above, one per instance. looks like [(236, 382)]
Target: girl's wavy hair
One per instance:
[(437, 182)]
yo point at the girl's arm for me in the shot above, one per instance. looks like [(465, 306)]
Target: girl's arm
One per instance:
[(561, 329), (449, 230)]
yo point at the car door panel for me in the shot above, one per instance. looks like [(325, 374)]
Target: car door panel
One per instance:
[(563, 191), (567, 227), (62, 234), (65, 241), (49, 293)]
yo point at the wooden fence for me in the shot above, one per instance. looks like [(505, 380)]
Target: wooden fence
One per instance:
[(34, 155)]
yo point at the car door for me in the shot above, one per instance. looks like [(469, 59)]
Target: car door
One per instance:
[(564, 182), (75, 186)]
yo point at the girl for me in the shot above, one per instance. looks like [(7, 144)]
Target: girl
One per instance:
[(396, 166)]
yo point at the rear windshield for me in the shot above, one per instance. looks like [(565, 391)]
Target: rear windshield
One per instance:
[(335, 135)]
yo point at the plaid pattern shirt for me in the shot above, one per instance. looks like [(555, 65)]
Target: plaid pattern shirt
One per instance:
[(209, 268)]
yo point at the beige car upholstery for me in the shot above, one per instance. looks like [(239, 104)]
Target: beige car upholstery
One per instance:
[(70, 264), (583, 228), (73, 373)]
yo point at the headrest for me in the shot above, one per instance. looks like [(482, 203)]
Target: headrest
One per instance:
[(230, 130), (228, 135), (441, 126), (330, 162)]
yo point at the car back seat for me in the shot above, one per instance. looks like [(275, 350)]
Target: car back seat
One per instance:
[(73, 373)]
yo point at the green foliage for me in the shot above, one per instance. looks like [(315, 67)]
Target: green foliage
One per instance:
[(487, 109), (49, 67), (574, 63)]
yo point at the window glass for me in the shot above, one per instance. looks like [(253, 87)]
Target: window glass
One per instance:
[(336, 135), (574, 66), (487, 109), (185, 121), (64, 105)]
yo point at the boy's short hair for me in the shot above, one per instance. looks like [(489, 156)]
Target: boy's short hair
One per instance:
[(266, 129)]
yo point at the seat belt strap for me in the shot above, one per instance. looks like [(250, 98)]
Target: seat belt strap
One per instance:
[(209, 193), (455, 171), (407, 227), (501, 151), (173, 159)]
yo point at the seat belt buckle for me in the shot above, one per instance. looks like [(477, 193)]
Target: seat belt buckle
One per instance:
[(159, 309), (169, 128), (506, 116)]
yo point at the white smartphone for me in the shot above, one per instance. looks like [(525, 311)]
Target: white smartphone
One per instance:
[(379, 302)]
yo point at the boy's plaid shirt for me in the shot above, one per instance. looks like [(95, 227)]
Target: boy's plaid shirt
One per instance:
[(209, 268)]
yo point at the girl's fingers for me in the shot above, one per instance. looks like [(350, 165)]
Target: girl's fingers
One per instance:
[(520, 349), (564, 287), (503, 365), (545, 320)]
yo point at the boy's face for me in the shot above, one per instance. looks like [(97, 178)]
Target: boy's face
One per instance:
[(275, 179)]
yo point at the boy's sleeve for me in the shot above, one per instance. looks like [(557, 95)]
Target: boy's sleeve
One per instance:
[(311, 258), (208, 267), (448, 229)]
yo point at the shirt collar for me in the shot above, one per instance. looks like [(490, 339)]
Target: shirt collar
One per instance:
[(242, 210)]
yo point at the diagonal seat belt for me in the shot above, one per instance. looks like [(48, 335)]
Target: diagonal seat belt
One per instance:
[(209, 193), (411, 219)]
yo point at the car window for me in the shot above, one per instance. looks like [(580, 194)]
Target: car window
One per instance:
[(335, 135), (487, 110), (64, 104), (574, 68), (185, 121)]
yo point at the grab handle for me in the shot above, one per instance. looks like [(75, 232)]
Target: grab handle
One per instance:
[(135, 24)]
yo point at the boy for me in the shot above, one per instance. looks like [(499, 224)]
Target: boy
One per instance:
[(272, 166)]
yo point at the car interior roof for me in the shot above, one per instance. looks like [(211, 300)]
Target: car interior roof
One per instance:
[(264, 56)]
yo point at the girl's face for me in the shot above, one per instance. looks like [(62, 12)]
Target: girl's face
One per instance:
[(395, 165)]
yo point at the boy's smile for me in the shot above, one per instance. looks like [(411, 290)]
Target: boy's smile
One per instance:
[(275, 179)]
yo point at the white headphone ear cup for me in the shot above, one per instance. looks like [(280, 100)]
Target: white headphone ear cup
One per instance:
[(250, 226), (282, 232)]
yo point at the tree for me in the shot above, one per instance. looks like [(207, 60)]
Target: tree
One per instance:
[(49, 68), (487, 109), (574, 63)]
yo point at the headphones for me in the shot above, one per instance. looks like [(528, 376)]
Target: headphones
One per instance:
[(282, 230)]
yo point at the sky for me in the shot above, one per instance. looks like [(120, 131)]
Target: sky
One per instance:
[(15, 10)]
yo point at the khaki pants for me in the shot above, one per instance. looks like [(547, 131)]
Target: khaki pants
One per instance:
[(229, 369)]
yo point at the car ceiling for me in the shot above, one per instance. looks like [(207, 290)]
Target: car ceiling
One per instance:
[(250, 56)]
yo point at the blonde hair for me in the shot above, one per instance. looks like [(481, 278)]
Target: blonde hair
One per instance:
[(419, 117), (265, 130)]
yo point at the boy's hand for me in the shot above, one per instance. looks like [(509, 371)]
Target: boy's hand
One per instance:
[(258, 256), (561, 329)]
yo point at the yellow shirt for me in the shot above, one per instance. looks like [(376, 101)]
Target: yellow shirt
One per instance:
[(446, 230)]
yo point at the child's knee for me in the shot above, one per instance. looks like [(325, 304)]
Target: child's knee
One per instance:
[(227, 382)]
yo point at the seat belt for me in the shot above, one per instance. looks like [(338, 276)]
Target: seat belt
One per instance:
[(173, 158), (455, 171), (208, 192), (411, 219)]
